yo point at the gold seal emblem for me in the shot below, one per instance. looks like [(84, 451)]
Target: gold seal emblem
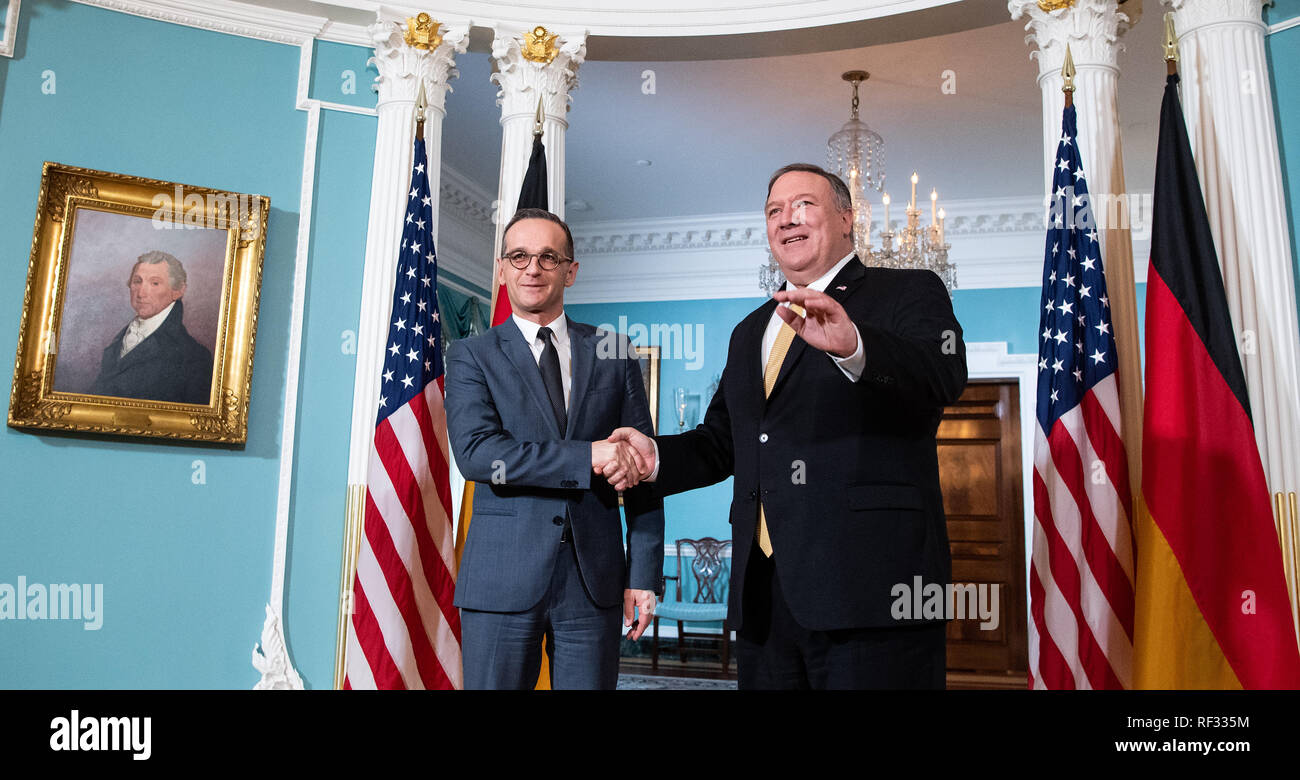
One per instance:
[(422, 32), (538, 46)]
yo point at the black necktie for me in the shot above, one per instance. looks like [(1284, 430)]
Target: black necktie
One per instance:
[(550, 368)]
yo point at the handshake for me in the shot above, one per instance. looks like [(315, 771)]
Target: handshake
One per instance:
[(624, 459)]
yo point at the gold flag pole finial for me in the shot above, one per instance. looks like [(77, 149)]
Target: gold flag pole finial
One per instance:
[(539, 119), (1067, 73), (421, 105), (1171, 44)]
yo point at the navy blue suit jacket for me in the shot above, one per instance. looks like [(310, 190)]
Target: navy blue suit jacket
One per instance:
[(169, 365), (531, 476)]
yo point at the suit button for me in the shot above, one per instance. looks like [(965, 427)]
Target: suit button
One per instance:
[(557, 520), (762, 439), (751, 495)]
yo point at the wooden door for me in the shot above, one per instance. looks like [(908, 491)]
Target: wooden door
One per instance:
[(979, 473)]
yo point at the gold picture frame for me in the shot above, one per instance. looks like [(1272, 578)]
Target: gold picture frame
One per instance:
[(648, 358), (96, 358)]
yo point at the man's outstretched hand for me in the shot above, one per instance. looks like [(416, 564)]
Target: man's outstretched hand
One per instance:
[(824, 323)]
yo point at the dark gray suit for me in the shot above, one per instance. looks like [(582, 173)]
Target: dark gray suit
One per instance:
[(169, 365), (545, 529)]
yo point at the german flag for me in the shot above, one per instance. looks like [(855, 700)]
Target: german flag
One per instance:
[(1212, 604)]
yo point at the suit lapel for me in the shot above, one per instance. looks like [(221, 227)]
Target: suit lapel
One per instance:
[(582, 358), (516, 350), (844, 283), (752, 349)]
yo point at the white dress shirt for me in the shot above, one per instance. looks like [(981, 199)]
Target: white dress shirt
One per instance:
[(559, 337), (139, 329)]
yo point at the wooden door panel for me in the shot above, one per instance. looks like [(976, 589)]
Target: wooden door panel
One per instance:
[(979, 473)]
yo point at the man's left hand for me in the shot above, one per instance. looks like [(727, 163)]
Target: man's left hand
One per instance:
[(644, 602), (824, 324)]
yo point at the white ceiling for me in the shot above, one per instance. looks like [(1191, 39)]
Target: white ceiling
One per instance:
[(715, 128)]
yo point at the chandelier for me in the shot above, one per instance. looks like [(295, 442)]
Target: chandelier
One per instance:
[(856, 154)]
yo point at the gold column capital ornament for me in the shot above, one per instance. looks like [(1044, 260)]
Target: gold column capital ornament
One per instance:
[(1048, 6), (539, 46), (422, 32)]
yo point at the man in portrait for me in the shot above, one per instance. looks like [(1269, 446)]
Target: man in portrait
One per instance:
[(154, 357), (826, 416)]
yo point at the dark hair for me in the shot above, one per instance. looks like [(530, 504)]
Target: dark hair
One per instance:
[(523, 214), (840, 191)]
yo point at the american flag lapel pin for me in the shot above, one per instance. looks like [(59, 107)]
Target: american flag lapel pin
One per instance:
[(841, 287)]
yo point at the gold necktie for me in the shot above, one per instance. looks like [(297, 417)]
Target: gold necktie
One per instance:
[(784, 338)]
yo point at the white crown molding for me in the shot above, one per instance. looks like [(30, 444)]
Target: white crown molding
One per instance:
[(667, 18), (224, 16), (235, 18), (10, 39), (469, 200)]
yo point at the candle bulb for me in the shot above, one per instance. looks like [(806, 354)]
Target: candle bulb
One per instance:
[(912, 205), (885, 200), (934, 200)]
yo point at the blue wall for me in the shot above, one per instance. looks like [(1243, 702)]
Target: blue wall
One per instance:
[(185, 567)]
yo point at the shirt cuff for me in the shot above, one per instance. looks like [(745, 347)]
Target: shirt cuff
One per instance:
[(851, 366), (655, 474)]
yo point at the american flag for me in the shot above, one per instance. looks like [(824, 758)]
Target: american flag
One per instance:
[(1081, 574), (404, 631)]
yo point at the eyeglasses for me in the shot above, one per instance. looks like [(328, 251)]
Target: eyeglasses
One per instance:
[(549, 261)]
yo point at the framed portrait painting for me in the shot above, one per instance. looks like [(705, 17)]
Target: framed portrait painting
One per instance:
[(648, 358), (140, 312)]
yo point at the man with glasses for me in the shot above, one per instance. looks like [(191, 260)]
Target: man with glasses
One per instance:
[(529, 406)]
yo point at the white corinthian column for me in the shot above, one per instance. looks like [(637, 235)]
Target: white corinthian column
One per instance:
[(402, 69), (1229, 107), (522, 81), (1092, 28)]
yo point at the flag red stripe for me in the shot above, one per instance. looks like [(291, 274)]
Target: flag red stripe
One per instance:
[(1106, 569), (371, 640), (403, 593), (1065, 573), (440, 581), (437, 461), (1109, 447), (1100, 558), (1204, 486), (1052, 668)]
